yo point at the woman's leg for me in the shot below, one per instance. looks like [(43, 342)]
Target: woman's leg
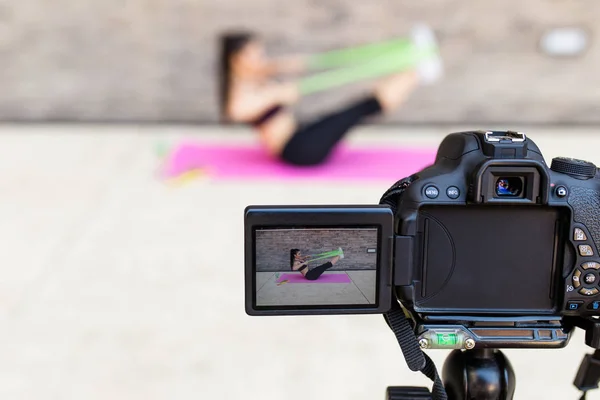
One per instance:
[(316, 272), (312, 144)]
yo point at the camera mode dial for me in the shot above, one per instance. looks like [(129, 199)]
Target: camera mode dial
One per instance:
[(578, 169)]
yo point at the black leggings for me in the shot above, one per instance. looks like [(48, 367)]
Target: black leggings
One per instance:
[(316, 272), (312, 143)]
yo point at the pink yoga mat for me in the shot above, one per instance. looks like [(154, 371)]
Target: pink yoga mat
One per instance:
[(246, 162), (325, 278)]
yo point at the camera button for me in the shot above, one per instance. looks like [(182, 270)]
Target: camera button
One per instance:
[(453, 192), (588, 291), (585, 250), (594, 305), (579, 235), (432, 192), (574, 305), (589, 278), (561, 191), (577, 278), (590, 265)]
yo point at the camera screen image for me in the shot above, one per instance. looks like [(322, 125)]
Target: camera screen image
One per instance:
[(316, 266)]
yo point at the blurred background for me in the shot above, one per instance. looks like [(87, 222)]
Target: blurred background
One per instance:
[(156, 61), (119, 284)]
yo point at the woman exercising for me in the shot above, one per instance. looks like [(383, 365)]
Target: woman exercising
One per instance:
[(299, 263), (249, 95)]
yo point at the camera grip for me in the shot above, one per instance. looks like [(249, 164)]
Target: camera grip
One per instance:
[(586, 204)]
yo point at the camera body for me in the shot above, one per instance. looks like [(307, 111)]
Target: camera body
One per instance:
[(487, 247)]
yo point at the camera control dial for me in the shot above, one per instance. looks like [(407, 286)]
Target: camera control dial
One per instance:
[(579, 169)]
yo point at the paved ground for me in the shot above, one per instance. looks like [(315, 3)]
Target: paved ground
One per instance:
[(116, 286), (360, 290)]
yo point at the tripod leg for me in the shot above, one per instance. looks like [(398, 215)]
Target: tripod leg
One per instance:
[(589, 373), (407, 393)]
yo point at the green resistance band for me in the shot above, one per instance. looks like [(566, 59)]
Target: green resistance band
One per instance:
[(380, 66), (321, 256), (356, 54)]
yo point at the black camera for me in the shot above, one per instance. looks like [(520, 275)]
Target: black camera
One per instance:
[(486, 248)]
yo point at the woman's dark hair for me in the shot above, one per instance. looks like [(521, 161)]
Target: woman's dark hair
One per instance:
[(293, 253), (230, 43)]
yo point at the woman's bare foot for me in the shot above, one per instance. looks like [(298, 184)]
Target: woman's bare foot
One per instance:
[(334, 260), (393, 91)]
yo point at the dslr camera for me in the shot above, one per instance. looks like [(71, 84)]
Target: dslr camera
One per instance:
[(487, 248)]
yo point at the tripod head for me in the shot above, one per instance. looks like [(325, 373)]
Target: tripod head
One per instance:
[(468, 374), (487, 374)]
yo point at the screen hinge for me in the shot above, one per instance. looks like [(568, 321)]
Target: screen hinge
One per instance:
[(403, 260)]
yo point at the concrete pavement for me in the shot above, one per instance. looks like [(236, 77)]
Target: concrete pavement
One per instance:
[(115, 285)]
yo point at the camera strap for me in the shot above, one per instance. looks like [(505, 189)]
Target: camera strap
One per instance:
[(415, 357)]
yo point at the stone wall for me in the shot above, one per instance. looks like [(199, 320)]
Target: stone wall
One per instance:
[(273, 247), (154, 61)]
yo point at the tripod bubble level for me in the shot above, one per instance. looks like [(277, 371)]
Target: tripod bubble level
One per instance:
[(445, 339)]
